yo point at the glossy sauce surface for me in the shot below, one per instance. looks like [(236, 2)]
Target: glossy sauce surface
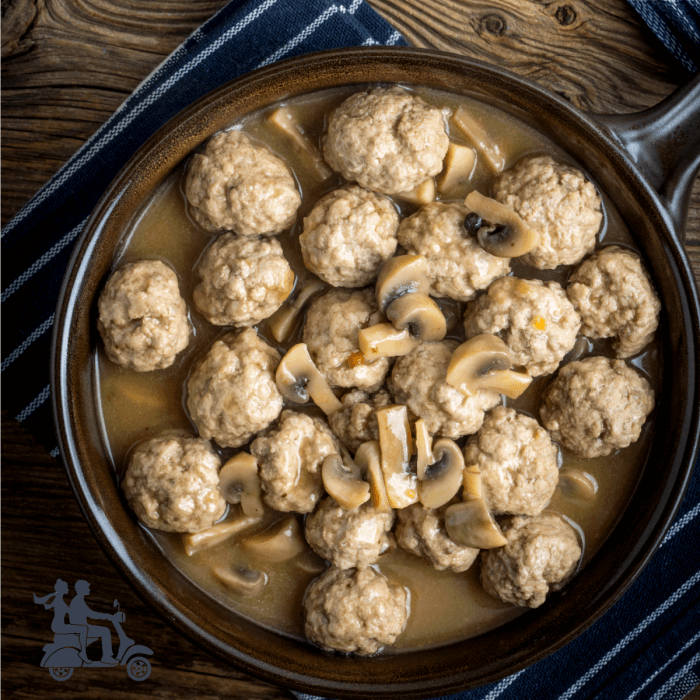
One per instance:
[(445, 607)]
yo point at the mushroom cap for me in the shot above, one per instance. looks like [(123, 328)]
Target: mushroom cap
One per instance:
[(197, 541), (471, 524), (419, 314), (400, 275), (239, 483), (241, 580), (384, 340), (283, 540), (578, 484), (343, 481), (443, 478), (369, 458), (458, 165)]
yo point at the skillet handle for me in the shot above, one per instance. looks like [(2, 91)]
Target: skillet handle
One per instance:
[(664, 143)]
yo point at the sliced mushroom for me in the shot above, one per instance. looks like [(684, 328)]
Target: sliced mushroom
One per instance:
[(458, 166), (421, 194), (242, 580), (369, 458), (343, 481), (282, 322), (402, 274), (282, 119), (383, 340), (424, 448), (481, 140), (418, 314), (576, 483), (239, 483), (484, 362), (443, 477), (470, 524), (204, 539), (396, 448), (281, 541), (498, 229), (298, 378), (471, 479), (311, 563)]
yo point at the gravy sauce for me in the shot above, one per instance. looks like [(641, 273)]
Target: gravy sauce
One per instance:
[(445, 607)]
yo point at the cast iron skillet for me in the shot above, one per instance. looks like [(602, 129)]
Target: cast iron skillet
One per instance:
[(646, 162)]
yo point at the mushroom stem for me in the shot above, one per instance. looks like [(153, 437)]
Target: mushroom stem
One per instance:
[(458, 166), (383, 340), (281, 323), (420, 194), (481, 140), (472, 483), (197, 541), (396, 448), (424, 448)]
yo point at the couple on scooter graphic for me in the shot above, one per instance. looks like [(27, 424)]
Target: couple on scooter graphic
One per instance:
[(72, 637)]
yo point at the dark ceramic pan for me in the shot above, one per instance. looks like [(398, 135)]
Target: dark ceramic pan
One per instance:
[(646, 162)]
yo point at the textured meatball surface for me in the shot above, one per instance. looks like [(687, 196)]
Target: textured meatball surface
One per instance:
[(231, 392), (356, 421), (541, 554), (172, 483), (238, 185), (418, 380), (518, 462), (596, 406), (348, 235), (354, 611), (535, 320), (244, 279), (558, 202), (142, 317), (457, 265), (614, 296), (386, 140), (290, 456), (349, 538), (330, 333), (421, 531)]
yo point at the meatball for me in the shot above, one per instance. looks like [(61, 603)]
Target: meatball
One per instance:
[(231, 392), (614, 296), (457, 264), (354, 611), (142, 317), (356, 421), (290, 457), (172, 483), (541, 554), (238, 185), (419, 381), (243, 280), (330, 333), (349, 538), (535, 319), (386, 139), (559, 203), (348, 235), (518, 462), (421, 531), (596, 406)]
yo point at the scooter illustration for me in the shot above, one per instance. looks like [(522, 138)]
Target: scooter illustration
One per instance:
[(62, 655)]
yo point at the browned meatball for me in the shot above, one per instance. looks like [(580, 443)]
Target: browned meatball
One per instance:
[(349, 538), (231, 393), (290, 457), (238, 185), (418, 380), (614, 296), (244, 279), (354, 611), (558, 202), (356, 421), (541, 554), (518, 462), (386, 140), (422, 532), (596, 406), (535, 319), (457, 265), (330, 333), (348, 235), (142, 317), (172, 483)]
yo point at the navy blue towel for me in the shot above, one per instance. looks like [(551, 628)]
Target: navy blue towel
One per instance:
[(648, 645)]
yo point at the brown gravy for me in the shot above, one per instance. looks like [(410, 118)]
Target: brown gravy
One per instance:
[(445, 607)]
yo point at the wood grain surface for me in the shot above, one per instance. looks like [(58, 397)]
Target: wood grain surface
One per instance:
[(67, 65)]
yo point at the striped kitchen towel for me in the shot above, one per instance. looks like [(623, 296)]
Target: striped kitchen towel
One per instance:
[(647, 646)]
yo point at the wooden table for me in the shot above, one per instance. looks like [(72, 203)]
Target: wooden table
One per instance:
[(68, 64)]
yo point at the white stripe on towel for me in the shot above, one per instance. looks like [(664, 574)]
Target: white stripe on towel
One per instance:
[(37, 333), (42, 398)]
